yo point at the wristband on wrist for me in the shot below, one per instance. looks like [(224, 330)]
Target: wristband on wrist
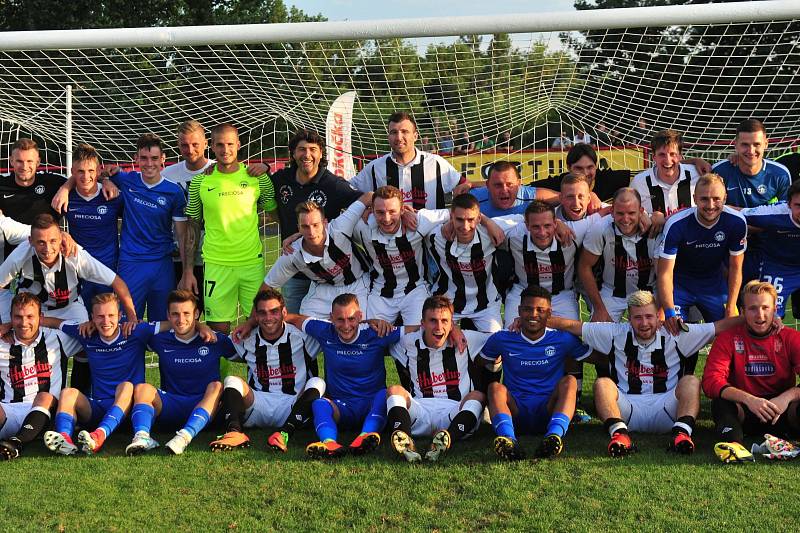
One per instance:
[(669, 313)]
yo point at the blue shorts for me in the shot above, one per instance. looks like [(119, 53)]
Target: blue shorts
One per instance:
[(100, 407), (785, 280), (353, 411), (149, 282), (709, 295), (175, 409), (532, 414)]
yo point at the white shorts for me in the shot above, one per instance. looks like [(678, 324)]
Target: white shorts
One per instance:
[(649, 413), (317, 303), (429, 415), (5, 305), (15, 414), (408, 306), (486, 321), (615, 306), (269, 409), (564, 304), (74, 311)]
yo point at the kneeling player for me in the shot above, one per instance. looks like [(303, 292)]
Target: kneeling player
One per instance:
[(441, 401), (750, 376), (535, 395), (281, 372), (190, 385)]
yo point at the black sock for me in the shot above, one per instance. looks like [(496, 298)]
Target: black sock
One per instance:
[(611, 421), (301, 411), (686, 421), (462, 425), (232, 409), (32, 426), (398, 418), (726, 421), (81, 378)]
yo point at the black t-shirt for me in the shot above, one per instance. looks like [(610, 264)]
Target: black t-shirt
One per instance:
[(24, 203), (327, 190), (606, 182), (792, 162)]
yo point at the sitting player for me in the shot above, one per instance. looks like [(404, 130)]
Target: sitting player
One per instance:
[(281, 378), (441, 400), (535, 395), (751, 374), (190, 383)]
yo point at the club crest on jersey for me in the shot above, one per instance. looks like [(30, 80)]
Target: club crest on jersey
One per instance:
[(738, 344), (318, 197), (719, 236), (102, 210), (285, 193), (550, 351), (243, 184), (39, 189), (203, 350), (762, 189), (161, 201)]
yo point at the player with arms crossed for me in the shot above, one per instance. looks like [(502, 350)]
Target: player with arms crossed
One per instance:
[(441, 400), (751, 376), (281, 381)]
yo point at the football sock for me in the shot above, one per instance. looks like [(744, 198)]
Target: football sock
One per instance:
[(34, 423), (376, 418), (65, 423), (462, 425), (398, 417), (726, 421), (615, 425), (232, 409), (301, 411), (142, 417), (324, 424), (503, 425), (684, 424), (197, 421), (111, 420), (81, 378), (558, 425)]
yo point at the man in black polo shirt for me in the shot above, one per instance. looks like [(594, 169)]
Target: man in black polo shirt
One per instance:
[(25, 192), (307, 179)]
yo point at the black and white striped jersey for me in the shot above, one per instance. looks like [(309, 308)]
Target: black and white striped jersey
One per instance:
[(56, 286), (341, 262), (398, 261), (282, 366), (424, 181), (659, 196), (439, 373), (26, 370), (628, 261), (465, 270), (650, 368)]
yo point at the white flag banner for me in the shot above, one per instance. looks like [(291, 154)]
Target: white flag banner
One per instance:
[(338, 127)]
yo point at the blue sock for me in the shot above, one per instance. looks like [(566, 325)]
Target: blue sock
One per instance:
[(376, 418), (111, 420), (323, 420), (65, 423), (142, 417), (503, 426), (559, 423), (197, 421)]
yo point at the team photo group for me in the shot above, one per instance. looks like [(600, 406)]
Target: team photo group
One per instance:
[(473, 289)]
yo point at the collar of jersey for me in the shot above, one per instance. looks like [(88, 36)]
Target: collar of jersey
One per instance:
[(537, 341), (149, 186), (414, 161), (279, 340), (532, 246), (475, 240), (663, 184), (34, 343), (187, 342), (635, 237), (308, 257), (92, 197), (652, 344), (381, 236), (703, 225), (112, 341)]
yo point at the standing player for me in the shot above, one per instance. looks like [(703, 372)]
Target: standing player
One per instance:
[(188, 364), (441, 400), (751, 374), (697, 242), (307, 178), (227, 201), (355, 378), (424, 178), (26, 192), (535, 395), (281, 379), (116, 361), (32, 374), (628, 258), (668, 185), (92, 219)]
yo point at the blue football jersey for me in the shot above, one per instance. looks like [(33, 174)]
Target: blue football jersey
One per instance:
[(701, 252), (355, 369), (525, 194), (92, 223), (148, 215), (780, 241), (533, 368), (767, 187), (187, 367), (113, 362)]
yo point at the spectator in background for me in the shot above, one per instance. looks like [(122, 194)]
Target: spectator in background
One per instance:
[(640, 132), (582, 137), (463, 145), (484, 144), (427, 146), (504, 143), (562, 142), (446, 144)]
